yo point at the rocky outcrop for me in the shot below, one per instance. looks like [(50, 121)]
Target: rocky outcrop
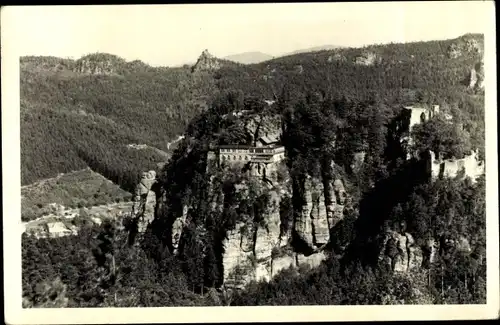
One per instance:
[(177, 228), (249, 248), (144, 201), (337, 57), (475, 80), (357, 162), (100, 64), (472, 79), (466, 45), (207, 62), (323, 208), (260, 242), (367, 58), (257, 126), (454, 51), (399, 252)]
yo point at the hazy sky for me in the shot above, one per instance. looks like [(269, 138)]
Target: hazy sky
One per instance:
[(173, 35)]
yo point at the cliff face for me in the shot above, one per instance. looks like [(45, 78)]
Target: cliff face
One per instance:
[(249, 247), (261, 243), (268, 224), (143, 209), (260, 251), (399, 252), (323, 208)]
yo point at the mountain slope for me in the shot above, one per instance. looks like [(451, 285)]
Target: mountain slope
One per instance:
[(83, 113), (83, 188)]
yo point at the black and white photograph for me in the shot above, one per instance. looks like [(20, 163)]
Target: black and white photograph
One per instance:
[(236, 155)]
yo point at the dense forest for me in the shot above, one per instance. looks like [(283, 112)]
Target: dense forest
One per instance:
[(333, 104)]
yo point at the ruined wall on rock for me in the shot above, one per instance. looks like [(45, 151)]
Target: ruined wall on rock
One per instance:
[(469, 166)]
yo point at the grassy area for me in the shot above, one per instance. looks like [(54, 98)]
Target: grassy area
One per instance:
[(83, 188)]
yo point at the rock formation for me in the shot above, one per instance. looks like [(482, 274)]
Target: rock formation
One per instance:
[(177, 228), (100, 64), (144, 201), (336, 57), (463, 46), (367, 58), (207, 62), (472, 78), (399, 252), (358, 160)]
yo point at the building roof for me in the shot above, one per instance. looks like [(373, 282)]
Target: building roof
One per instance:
[(268, 139), (235, 146)]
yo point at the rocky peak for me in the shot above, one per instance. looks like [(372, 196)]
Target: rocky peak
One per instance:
[(207, 62)]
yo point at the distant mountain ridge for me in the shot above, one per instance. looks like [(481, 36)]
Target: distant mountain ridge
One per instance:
[(249, 57), (255, 57), (314, 49)]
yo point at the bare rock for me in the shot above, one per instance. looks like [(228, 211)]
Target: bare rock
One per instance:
[(313, 260), (336, 58), (358, 160), (207, 62), (472, 79), (367, 58), (145, 200), (282, 263)]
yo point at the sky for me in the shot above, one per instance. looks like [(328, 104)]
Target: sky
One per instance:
[(170, 35)]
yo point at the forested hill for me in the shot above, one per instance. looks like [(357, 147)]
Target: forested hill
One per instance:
[(79, 113), (83, 113)]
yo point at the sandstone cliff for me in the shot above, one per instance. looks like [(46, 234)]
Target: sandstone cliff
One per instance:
[(323, 208)]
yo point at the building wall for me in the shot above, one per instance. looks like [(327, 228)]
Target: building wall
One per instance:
[(470, 165), (416, 114), (244, 155)]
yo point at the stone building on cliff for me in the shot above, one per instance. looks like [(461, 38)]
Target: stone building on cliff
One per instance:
[(261, 159)]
